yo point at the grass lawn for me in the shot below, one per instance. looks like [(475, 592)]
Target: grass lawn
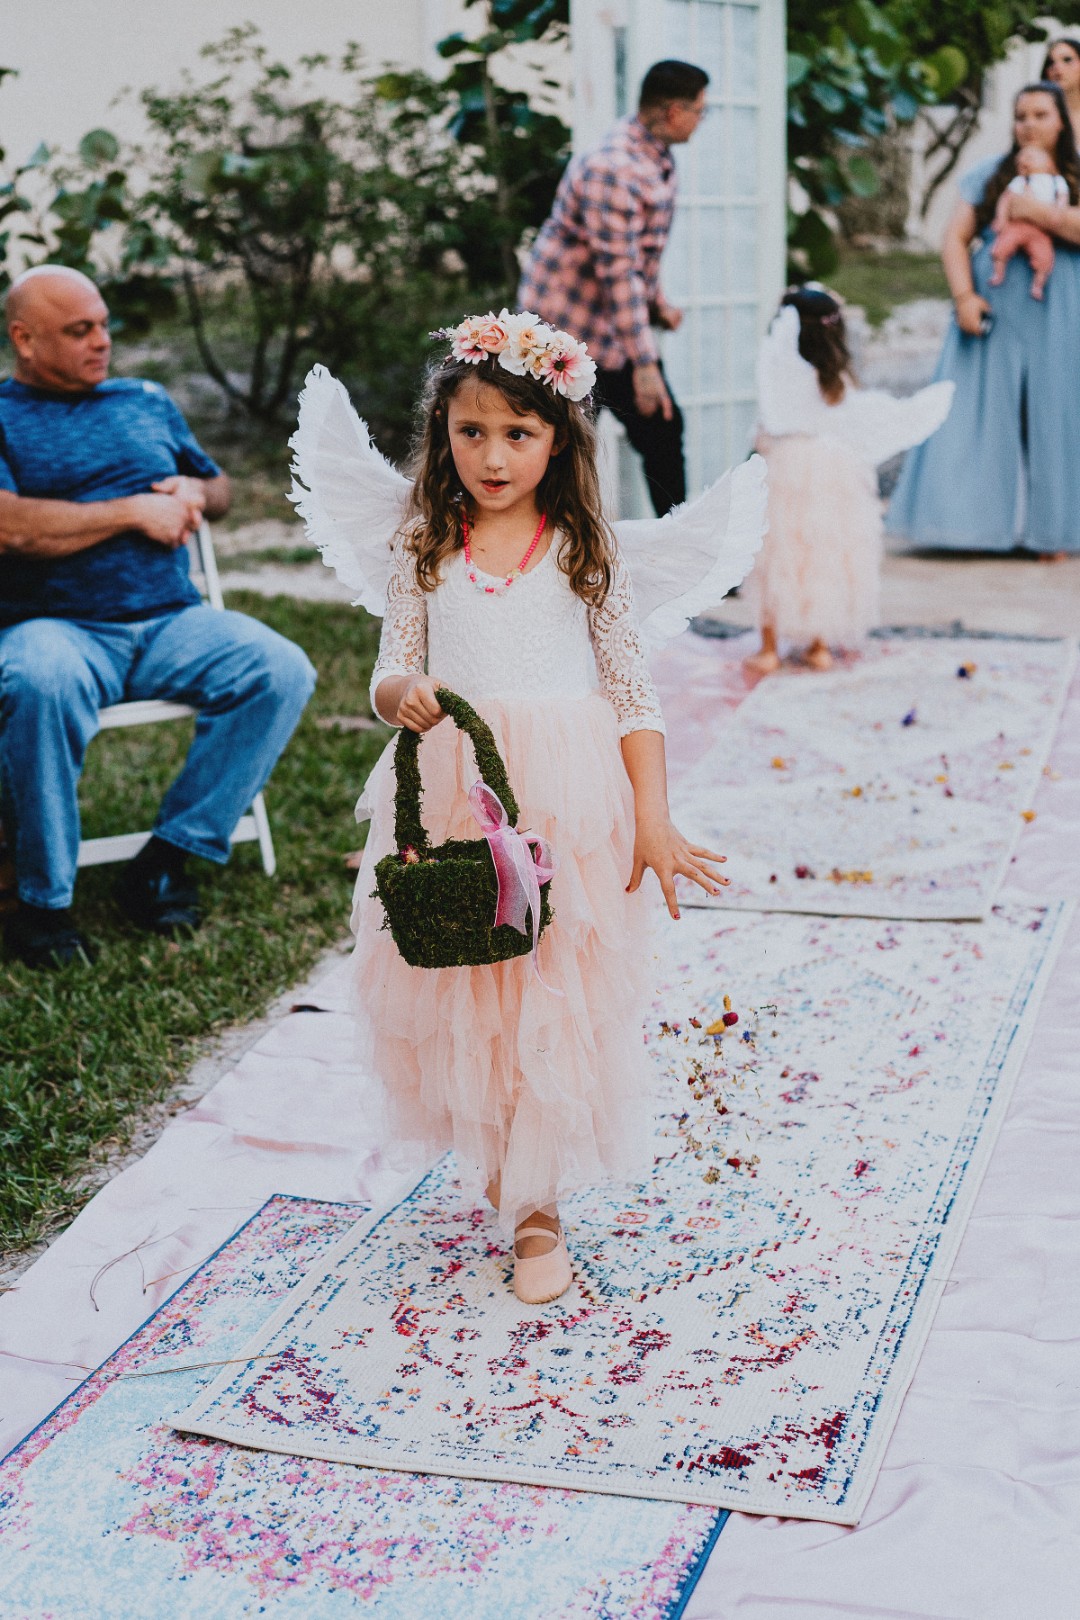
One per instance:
[(83, 1049), (879, 282)]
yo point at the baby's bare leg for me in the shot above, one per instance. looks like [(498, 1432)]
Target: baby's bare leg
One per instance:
[(1040, 251), (1004, 246)]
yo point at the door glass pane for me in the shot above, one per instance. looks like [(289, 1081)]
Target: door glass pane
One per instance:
[(711, 241), (742, 355), (714, 339), (678, 357), (675, 265), (741, 232), (710, 46), (744, 49), (743, 167), (742, 425), (711, 150), (713, 442), (677, 29)]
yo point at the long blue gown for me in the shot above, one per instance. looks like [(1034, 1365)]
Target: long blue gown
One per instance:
[(1004, 469)]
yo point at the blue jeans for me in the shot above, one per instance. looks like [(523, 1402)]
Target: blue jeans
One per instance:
[(248, 684)]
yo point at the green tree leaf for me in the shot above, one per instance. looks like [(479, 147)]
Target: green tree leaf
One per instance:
[(99, 147)]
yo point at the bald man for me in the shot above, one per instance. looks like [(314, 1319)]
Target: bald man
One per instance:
[(101, 484)]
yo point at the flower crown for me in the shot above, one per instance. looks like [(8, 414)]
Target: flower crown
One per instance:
[(525, 346)]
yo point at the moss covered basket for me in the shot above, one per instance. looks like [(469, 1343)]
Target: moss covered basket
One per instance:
[(440, 900)]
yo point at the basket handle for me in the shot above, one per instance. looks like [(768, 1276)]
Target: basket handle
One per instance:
[(408, 826)]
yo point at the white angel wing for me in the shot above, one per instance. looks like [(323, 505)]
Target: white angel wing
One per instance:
[(350, 498), (877, 426), (789, 396), (687, 561)]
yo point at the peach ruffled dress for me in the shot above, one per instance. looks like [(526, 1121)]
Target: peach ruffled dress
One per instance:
[(550, 1090), (819, 570)]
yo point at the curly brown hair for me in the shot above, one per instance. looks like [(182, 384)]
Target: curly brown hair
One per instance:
[(822, 338), (1064, 155), (568, 493)]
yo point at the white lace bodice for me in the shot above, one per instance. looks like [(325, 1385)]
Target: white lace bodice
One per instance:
[(535, 640)]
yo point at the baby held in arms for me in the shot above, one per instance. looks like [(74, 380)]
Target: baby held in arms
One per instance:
[(1036, 176)]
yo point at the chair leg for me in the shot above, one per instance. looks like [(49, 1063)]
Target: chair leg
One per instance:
[(266, 840)]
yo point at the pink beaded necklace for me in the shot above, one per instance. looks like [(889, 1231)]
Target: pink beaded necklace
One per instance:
[(515, 573)]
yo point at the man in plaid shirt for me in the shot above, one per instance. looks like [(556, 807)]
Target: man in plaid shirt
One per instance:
[(595, 266)]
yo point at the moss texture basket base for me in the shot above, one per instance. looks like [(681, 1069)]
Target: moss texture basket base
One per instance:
[(439, 914), (440, 903)]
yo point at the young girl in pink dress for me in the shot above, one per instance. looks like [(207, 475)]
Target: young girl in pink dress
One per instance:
[(508, 586), (817, 580)]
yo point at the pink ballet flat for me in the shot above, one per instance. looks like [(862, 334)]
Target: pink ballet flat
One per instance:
[(539, 1278)]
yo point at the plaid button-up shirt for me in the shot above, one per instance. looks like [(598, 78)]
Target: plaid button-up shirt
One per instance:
[(595, 267)]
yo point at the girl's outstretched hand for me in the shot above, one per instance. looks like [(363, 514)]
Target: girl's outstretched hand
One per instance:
[(660, 845), (418, 708)]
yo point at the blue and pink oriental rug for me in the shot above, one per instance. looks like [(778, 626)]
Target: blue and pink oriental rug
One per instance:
[(743, 1326), (106, 1511), (740, 1335)]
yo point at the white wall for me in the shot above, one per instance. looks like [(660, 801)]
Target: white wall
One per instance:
[(74, 57)]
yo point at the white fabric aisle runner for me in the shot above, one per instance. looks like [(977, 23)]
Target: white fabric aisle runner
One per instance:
[(741, 1341), (894, 788)]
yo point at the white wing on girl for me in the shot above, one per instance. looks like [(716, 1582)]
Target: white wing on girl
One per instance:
[(350, 498), (871, 423), (876, 426), (687, 561), (789, 397)]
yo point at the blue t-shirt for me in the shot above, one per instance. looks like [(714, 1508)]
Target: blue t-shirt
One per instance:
[(113, 440)]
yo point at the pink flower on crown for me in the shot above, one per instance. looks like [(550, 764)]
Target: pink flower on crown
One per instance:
[(525, 346), (527, 338), (566, 367), (477, 336)]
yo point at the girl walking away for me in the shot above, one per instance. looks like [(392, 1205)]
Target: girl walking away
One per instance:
[(506, 585), (817, 579)]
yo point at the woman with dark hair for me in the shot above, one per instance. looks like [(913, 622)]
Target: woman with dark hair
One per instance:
[(1004, 470), (1061, 66)]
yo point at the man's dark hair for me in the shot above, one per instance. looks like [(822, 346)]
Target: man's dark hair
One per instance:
[(671, 81)]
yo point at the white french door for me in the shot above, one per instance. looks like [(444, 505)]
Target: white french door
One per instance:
[(725, 258)]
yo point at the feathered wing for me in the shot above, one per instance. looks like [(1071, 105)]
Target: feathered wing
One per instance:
[(789, 395), (689, 560), (877, 426), (350, 498)]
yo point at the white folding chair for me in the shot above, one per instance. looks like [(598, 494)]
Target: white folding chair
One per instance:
[(255, 826)]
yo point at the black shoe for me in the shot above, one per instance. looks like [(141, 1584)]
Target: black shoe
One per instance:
[(158, 901), (46, 939)]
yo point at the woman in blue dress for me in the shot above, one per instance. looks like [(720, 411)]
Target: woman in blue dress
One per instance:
[(1004, 469)]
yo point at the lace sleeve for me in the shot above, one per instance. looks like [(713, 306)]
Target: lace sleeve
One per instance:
[(620, 658), (403, 643)]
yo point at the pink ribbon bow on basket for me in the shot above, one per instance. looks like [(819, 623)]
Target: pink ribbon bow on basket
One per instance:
[(522, 863)]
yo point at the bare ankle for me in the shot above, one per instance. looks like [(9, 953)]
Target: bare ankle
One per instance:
[(542, 1230)]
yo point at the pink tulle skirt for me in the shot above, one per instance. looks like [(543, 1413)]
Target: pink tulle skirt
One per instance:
[(550, 1092), (818, 573)]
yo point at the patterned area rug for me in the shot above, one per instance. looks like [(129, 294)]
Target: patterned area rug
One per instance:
[(895, 788), (743, 1326), (105, 1511)]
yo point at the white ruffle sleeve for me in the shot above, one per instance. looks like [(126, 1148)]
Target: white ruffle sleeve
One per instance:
[(620, 658)]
